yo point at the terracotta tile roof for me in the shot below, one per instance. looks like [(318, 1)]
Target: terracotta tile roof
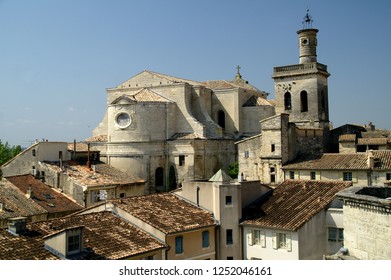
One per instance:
[(347, 138), (15, 203), (256, 101), (107, 235), (357, 161), (373, 141), (104, 174), (166, 212), (147, 95), (293, 203), (47, 197), (97, 138)]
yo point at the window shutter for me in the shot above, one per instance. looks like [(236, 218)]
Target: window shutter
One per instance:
[(250, 238), (289, 243), (263, 239), (274, 240)]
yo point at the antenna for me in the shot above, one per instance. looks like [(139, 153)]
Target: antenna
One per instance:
[(307, 20)]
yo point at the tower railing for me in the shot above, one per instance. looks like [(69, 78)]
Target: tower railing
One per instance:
[(301, 67)]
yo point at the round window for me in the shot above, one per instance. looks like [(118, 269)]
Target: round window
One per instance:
[(123, 120)]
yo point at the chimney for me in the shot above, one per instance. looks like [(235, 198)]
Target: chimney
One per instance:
[(17, 225), (30, 193), (370, 159)]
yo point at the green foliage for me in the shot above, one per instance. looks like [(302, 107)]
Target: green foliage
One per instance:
[(233, 170), (7, 152)]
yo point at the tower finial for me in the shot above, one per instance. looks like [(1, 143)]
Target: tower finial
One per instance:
[(238, 76), (307, 21)]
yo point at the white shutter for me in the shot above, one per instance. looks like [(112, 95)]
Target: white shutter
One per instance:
[(263, 239), (274, 240), (250, 238), (289, 243)]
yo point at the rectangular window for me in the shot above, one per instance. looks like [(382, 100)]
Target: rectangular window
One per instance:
[(272, 174), (33, 152), (229, 237), (181, 160), (228, 200), (282, 241), (332, 234), (347, 176), (273, 148), (313, 175), (259, 238), (246, 154), (205, 239), (179, 245), (73, 244), (292, 175), (388, 176), (335, 234)]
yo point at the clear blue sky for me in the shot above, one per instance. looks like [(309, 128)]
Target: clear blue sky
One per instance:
[(58, 57)]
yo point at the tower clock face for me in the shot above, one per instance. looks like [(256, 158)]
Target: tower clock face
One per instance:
[(304, 41), (123, 120)]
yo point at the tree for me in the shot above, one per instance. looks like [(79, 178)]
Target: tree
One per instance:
[(7, 152), (233, 170)]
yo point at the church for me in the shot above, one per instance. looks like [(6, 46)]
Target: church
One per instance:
[(167, 130)]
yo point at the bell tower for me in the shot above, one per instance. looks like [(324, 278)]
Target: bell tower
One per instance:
[(301, 90)]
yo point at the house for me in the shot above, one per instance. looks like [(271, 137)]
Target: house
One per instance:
[(56, 203), (298, 220), (94, 236), (74, 170), (371, 168), (14, 203), (225, 198), (187, 230), (367, 220)]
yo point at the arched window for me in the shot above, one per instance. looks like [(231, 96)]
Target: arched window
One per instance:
[(159, 177), (172, 184), (287, 101), (304, 101), (221, 118)]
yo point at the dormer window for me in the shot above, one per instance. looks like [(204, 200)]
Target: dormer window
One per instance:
[(66, 243)]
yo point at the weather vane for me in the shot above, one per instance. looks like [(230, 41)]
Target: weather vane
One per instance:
[(307, 21)]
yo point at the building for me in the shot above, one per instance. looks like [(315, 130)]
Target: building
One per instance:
[(14, 203), (300, 125), (367, 220), (56, 203), (225, 198), (95, 236), (77, 173), (298, 220), (372, 168), (187, 230)]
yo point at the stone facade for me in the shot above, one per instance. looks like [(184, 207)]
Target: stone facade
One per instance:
[(367, 220), (167, 130)]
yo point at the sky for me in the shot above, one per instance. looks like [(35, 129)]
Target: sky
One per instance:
[(57, 58)]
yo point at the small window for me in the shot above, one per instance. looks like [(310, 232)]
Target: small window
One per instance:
[(388, 176), (229, 237), (230, 258), (335, 234), (181, 160), (228, 200), (122, 195), (34, 152), (258, 238), (179, 245), (281, 241), (313, 175), (292, 175), (246, 154), (304, 101), (73, 244), (273, 148), (347, 176), (287, 101), (205, 239)]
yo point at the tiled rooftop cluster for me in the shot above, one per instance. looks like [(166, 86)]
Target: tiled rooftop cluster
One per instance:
[(293, 203), (106, 235)]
